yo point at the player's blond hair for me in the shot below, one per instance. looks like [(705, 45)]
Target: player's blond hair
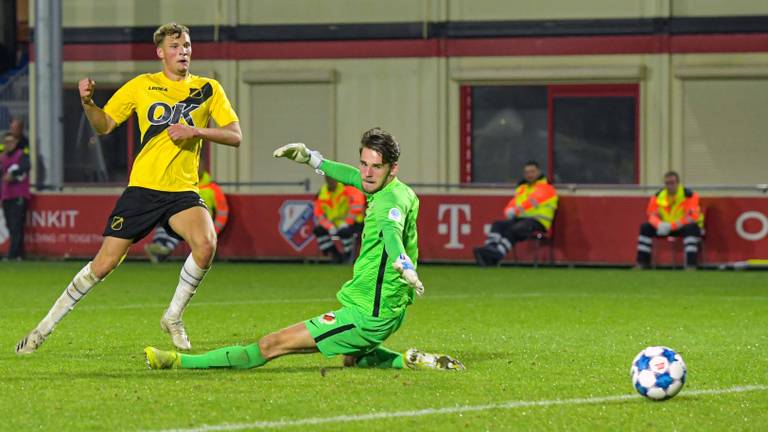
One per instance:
[(170, 29)]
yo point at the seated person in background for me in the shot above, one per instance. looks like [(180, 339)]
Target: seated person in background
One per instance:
[(531, 209), (163, 243), (338, 211), (673, 211)]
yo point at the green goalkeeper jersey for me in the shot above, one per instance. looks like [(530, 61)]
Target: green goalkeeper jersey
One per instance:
[(389, 231)]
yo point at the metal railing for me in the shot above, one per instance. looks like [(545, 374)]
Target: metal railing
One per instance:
[(304, 184), (575, 187)]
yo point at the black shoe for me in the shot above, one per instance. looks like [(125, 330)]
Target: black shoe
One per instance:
[(347, 258), (485, 257), (336, 257)]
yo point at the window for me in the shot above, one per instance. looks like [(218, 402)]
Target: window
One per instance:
[(90, 158), (724, 130), (297, 112), (577, 133)]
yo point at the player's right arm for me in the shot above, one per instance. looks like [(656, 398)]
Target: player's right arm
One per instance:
[(101, 122), (298, 152), (342, 173)]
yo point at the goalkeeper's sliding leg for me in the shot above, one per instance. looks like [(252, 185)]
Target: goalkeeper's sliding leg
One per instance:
[(345, 332), (295, 339)]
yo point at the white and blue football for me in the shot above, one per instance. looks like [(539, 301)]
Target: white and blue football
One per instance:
[(658, 373)]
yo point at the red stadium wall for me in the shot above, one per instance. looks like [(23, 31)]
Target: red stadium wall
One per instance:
[(599, 230)]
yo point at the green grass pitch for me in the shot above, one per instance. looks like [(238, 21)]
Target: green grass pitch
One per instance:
[(536, 343)]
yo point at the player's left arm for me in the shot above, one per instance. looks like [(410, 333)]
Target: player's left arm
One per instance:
[(222, 113), (390, 217), (230, 134)]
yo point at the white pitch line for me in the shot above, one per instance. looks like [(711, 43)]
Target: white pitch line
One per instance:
[(278, 424)]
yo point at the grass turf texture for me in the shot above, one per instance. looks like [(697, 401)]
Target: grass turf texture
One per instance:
[(524, 335)]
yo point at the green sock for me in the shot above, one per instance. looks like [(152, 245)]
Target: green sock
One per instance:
[(235, 357), (381, 358)]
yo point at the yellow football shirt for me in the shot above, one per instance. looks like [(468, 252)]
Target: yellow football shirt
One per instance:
[(159, 102)]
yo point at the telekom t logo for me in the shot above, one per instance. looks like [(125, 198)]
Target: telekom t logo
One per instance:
[(454, 227)]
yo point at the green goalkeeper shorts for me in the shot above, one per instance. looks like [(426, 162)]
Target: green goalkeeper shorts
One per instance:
[(351, 332)]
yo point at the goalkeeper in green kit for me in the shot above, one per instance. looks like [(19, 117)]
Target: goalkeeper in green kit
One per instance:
[(383, 284)]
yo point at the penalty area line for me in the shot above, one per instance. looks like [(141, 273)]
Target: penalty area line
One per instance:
[(278, 424)]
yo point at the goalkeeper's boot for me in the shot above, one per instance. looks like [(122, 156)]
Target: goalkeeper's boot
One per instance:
[(415, 359), (177, 331), (159, 359), (30, 343)]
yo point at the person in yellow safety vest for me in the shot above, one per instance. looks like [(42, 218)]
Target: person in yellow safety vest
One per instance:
[(164, 241), (673, 211), (531, 210), (339, 210)]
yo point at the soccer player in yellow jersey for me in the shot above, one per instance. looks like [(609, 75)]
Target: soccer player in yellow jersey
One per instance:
[(173, 108)]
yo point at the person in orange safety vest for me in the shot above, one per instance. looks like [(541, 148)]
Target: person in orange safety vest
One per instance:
[(165, 241), (532, 209), (673, 211), (338, 211)]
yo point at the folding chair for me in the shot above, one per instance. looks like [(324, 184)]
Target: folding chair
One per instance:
[(540, 238)]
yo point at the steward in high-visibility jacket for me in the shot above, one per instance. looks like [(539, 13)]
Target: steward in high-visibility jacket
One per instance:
[(673, 211), (531, 210), (216, 201), (339, 211), (163, 243)]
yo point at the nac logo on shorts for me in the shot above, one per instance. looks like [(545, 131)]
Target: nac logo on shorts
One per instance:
[(117, 223), (160, 113), (297, 220)]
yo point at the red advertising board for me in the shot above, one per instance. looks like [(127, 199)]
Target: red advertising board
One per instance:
[(599, 230)]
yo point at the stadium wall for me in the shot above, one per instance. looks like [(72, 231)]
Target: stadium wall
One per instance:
[(587, 230), (297, 71)]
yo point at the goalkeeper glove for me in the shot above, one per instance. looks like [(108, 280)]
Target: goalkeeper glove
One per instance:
[(298, 152), (407, 271), (663, 229)]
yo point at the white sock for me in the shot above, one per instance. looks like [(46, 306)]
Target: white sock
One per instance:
[(83, 281), (190, 277)]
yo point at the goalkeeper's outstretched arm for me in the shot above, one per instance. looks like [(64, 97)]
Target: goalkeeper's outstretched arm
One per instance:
[(298, 152), (343, 173)]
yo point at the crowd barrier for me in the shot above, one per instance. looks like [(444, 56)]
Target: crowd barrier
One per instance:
[(587, 230)]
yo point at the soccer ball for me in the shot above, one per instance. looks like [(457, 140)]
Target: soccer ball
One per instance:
[(658, 373)]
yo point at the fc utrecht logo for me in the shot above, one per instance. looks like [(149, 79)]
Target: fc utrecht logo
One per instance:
[(296, 222)]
